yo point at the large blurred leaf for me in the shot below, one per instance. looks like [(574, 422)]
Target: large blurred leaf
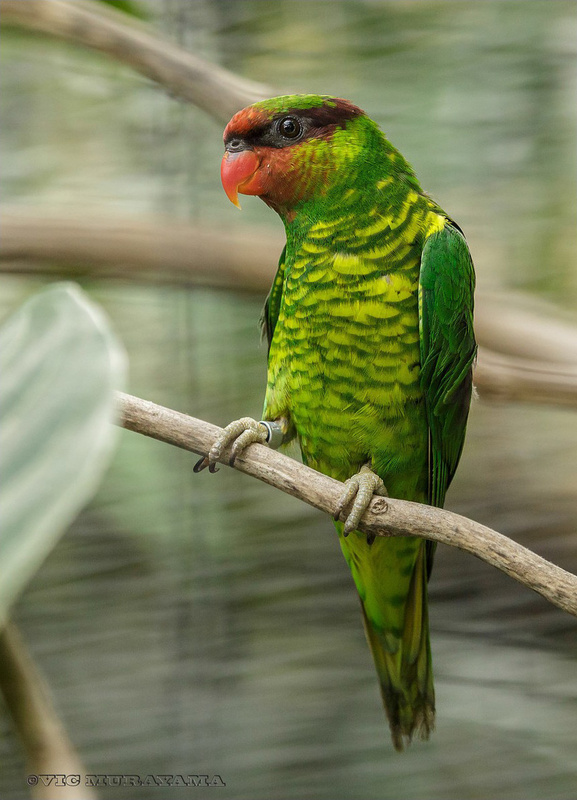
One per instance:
[(59, 367)]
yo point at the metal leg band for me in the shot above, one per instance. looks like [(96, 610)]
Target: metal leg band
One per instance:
[(275, 434)]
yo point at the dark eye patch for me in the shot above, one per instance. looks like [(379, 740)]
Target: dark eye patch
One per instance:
[(294, 125), (282, 131)]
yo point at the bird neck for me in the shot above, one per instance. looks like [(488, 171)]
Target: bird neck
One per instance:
[(365, 180)]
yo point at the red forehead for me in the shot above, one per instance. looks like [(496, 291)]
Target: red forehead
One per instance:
[(245, 121)]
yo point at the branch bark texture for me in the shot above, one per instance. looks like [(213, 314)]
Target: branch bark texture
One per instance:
[(385, 517)]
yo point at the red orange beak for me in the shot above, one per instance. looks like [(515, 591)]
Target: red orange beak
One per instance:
[(236, 170)]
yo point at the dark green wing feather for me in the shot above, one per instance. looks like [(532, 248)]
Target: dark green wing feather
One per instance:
[(446, 287), (273, 302)]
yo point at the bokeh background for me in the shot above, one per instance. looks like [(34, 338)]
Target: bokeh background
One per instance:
[(208, 624)]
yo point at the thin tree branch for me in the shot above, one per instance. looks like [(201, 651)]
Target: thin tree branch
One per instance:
[(215, 90), (388, 517), (48, 749)]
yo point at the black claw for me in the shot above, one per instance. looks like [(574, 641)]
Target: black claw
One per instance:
[(213, 468), (371, 538), (345, 533), (201, 464)]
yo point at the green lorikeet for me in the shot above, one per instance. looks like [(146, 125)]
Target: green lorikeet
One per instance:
[(370, 330)]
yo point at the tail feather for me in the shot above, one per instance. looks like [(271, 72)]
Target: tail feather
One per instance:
[(405, 671)]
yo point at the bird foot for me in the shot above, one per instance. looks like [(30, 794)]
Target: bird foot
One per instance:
[(242, 432), (359, 488)]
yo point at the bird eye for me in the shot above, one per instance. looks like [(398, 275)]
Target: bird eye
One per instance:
[(289, 128)]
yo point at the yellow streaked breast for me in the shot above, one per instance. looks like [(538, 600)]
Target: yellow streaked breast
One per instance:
[(351, 264)]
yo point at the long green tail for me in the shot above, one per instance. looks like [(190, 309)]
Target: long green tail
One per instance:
[(391, 578)]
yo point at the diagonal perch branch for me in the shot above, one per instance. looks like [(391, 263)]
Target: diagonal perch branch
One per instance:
[(383, 518)]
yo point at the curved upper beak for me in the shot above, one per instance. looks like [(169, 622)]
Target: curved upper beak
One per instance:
[(236, 170)]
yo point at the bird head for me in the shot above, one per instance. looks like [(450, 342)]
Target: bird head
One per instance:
[(292, 149)]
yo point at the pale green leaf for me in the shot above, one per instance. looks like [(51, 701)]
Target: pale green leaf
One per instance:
[(60, 365)]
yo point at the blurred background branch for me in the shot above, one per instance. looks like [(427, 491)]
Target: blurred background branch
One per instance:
[(48, 748), (216, 90), (524, 357), (144, 248), (383, 518), (520, 380)]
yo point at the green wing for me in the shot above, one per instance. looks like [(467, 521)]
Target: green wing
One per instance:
[(446, 286), (273, 302)]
